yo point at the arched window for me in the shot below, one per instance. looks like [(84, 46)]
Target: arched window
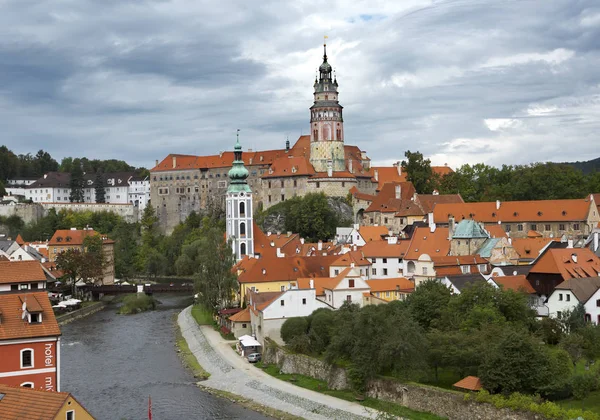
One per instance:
[(242, 208), (411, 267), (27, 384), (26, 358), (242, 229), (243, 249)]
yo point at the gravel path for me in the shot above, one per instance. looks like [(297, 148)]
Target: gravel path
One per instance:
[(230, 372)]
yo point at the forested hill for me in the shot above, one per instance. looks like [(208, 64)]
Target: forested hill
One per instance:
[(588, 167)]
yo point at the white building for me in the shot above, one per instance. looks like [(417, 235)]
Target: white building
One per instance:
[(386, 257), (139, 192), (267, 318), (572, 292), (348, 286), (18, 186)]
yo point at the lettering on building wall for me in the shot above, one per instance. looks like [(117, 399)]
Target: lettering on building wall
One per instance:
[(49, 385), (48, 355)]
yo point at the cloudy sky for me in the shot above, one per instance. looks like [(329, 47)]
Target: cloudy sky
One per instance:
[(462, 81)]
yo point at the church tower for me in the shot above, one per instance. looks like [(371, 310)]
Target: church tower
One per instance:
[(238, 205), (326, 122)]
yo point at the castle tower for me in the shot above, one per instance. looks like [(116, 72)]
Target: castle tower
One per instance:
[(238, 204), (326, 122)]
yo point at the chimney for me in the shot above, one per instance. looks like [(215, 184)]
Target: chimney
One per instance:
[(570, 245), (351, 265), (45, 176), (174, 161), (268, 233), (398, 167), (497, 204), (356, 226), (302, 241), (392, 240), (450, 226), (287, 146), (432, 227), (398, 192), (435, 192), (354, 248), (574, 257), (376, 176), (289, 234), (350, 166), (311, 283), (329, 168), (320, 245), (272, 243), (156, 162)]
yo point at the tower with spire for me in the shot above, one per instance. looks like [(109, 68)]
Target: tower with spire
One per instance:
[(238, 203), (326, 121)]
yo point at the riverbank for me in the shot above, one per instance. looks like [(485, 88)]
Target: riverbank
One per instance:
[(80, 313), (234, 375)]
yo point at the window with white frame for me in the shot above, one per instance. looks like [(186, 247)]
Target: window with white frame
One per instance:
[(26, 358)]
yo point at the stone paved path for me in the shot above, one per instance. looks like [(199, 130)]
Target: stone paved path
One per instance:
[(232, 373)]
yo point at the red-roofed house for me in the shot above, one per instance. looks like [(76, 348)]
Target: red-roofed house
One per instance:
[(29, 341), (21, 276)]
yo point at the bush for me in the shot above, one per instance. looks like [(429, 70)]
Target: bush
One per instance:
[(293, 327), (139, 302), (583, 384)]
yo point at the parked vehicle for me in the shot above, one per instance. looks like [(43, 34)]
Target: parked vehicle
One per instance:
[(254, 357)]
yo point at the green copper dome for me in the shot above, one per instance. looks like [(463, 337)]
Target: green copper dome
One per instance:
[(238, 172)]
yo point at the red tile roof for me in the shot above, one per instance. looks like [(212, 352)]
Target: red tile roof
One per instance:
[(516, 283), (428, 201), (425, 242), (361, 196), (495, 230), (386, 200), (13, 327), (20, 403), (471, 383), (373, 233), (21, 272), (66, 237), (381, 249), (387, 174), (568, 262), (531, 247), (289, 166), (241, 316), (19, 240), (515, 211), (356, 257), (271, 269), (442, 170)]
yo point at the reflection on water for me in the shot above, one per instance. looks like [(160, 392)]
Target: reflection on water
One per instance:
[(113, 363)]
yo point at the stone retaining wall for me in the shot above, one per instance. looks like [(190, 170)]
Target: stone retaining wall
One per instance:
[(80, 313), (449, 404)]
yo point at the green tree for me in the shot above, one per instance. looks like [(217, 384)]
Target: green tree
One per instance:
[(427, 303), (99, 189), (9, 164), (418, 171), (583, 384), (293, 328), (76, 184), (215, 281), (44, 163), (311, 217)]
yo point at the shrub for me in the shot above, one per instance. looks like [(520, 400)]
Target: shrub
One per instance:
[(139, 302), (583, 384), (293, 327)]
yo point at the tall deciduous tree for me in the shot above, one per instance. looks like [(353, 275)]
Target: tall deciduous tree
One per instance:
[(99, 189), (215, 281), (418, 171)]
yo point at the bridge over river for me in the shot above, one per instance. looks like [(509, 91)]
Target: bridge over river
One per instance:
[(149, 289)]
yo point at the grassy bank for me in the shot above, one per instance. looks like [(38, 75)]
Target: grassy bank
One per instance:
[(136, 303), (202, 315), (188, 359), (251, 405), (321, 386)]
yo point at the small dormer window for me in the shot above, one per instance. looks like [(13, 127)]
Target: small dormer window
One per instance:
[(35, 318)]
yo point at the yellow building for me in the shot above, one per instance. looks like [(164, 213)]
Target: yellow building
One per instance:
[(391, 289), (19, 403)]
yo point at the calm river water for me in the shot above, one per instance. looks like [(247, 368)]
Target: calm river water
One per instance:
[(112, 363)]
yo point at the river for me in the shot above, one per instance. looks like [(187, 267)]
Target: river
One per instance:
[(112, 363)]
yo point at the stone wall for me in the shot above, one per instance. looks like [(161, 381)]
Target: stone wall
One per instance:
[(127, 211), (30, 213), (444, 403)]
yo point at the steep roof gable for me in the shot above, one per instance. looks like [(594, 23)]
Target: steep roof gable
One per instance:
[(13, 326)]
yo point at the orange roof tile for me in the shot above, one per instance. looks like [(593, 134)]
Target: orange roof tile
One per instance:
[(270, 269), (425, 242), (442, 170), (242, 316), (13, 327), (531, 247), (386, 200), (21, 272), (515, 211), (386, 285), (428, 201), (373, 233), (19, 240), (568, 262), (318, 282), (361, 196), (516, 283), (387, 174), (457, 260), (19, 403), (381, 249), (356, 257), (495, 230), (290, 166), (471, 383), (67, 237)]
